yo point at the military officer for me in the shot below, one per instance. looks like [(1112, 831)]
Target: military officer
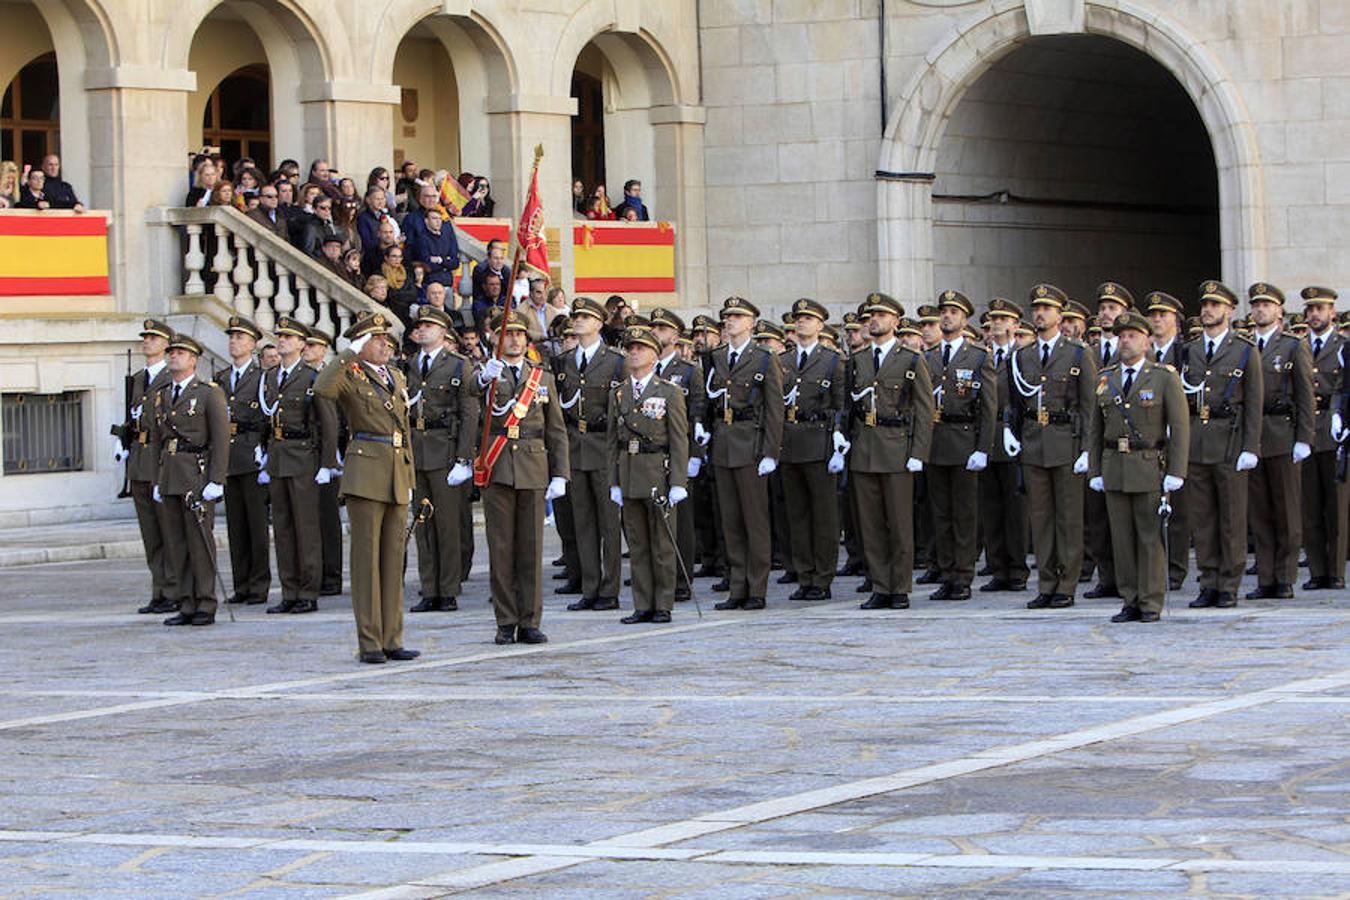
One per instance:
[(317, 345), (1003, 508), (965, 407), (133, 446), (649, 452), (745, 388), (770, 337), (445, 419), (1221, 373), (1113, 300), (1074, 324), (245, 498), (1053, 379), (712, 549), (890, 401), (1166, 317), (855, 338), (1324, 496), (526, 464), (377, 481), (192, 434), (813, 452), (298, 456), (587, 378), (1274, 486), (687, 375), (1138, 448), (928, 320)]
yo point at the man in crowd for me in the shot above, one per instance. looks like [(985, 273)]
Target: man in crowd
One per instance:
[(632, 199), (1324, 497), (1166, 317), (245, 498), (1112, 301), (266, 213), (1003, 508), (317, 344)]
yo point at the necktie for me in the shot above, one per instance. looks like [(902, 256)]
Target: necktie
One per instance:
[(177, 390), (1209, 351), (731, 359), (1045, 356), (515, 373), (281, 382), (1129, 381), (1106, 352), (801, 360), (1261, 344), (876, 359), (1157, 355), (998, 358), (581, 361), (1317, 347), (637, 390), (234, 380), (426, 366), (946, 354)]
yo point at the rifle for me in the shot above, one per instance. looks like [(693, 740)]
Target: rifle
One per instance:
[(124, 433)]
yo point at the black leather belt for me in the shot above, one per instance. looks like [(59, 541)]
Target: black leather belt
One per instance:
[(893, 421), (958, 418), (370, 436)]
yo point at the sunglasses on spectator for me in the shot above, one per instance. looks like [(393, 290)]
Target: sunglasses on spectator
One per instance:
[(271, 195), (323, 206)]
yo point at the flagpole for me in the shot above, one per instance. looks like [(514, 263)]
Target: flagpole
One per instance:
[(481, 472)]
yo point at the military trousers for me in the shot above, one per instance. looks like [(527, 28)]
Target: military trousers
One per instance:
[(1137, 548), (190, 552), (682, 520), (515, 539), (295, 526), (1324, 516), (1217, 494), (743, 497), (565, 522), (150, 518), (378, 544), (712, 548), (246, 525), (925, 553), (1099, 547), (1003, 516), (812, 499), (599, 538), (781, 538), (885, 504), (330, 533), (954, 496), (1178, 537), (1055, 508), (848, 518), (1274, 495), (651, 553), (438, 538), (466, 544)]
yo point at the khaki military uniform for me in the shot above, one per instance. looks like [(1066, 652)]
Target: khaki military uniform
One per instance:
[(301, 438), (1053, 425), (1226, 396), (1324, 497), (445, 420), (245, 499), (192, 437), (1178, 523), (377, 483), (513, 500), (1274, 489), (584, 399), (1097, 544), (1003, 507), (965, 410), (747, 413), (688, 377), (891, 416), (649, 452), (814, 404), (1138, 436), (143, 473)]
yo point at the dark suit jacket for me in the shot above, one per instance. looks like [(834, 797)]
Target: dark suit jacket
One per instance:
[(278, 227)]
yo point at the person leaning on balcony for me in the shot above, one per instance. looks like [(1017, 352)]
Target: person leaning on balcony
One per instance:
[(59, 193), (204, 178), (9, 183), (33, 195)]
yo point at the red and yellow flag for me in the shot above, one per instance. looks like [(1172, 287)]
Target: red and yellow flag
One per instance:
[(453, 197), (53, 255), (530, 232)]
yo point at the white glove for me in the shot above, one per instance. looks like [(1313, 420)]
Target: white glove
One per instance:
[(977, 461), (119, 452), (701, 434), (264, 478), (677, 495), (520, 290), (1011, 445), (323, 476), (556, 488), (360, 343), (767, 466), (913, 465), (1301, 451), (1172, 483), (493, 368), (259, 456), (836, 463), (616, 495), (694, 465), (460, 473), (1097, 484), (1337, 427), (212, 492), (1080, 464), (841, 444), (156, 495), (1246, 461)]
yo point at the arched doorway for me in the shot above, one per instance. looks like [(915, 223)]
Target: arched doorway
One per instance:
[(30, 113), (1075, 159), (427, 122), (238, 117), (588, 129)]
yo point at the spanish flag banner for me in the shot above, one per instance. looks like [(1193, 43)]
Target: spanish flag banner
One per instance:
[(624, 258), (453, 197), (48, 255), (531, 247)]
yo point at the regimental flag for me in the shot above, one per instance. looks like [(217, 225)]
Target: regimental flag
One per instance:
[(530, 232), (624, 259), (53, 255), (453, 197)]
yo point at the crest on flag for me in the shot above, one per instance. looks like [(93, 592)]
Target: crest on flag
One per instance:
[(530, 233)]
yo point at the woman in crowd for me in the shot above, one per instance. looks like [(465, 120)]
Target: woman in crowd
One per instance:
[(402, 287), (480, 203), (351, 268), (222, 194), (9, 182), (579, 197), (605, 210), (379, 177), (304, 214), (347, 205)]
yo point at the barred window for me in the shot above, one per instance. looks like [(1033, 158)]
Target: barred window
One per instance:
[(42, 432)]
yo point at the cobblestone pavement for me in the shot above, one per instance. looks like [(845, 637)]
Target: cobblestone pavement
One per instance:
[(951, 749)]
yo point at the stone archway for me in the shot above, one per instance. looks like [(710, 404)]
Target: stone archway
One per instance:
[(908, 159)]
